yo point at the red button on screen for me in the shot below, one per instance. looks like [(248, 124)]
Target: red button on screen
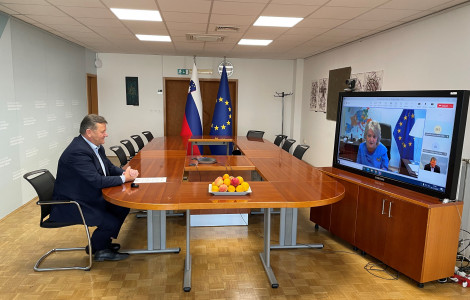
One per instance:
[(445, 105)]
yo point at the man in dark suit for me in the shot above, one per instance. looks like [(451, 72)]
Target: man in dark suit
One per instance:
[(82, 172), (432, 166)]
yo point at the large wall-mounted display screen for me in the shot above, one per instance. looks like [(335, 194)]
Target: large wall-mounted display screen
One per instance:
[(409, 138)]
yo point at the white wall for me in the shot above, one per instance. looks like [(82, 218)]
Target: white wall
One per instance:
[(43, 100), (432, 53), (258, 80)]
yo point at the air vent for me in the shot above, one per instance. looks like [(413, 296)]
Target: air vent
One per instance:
[(227, 28), (204, 37)]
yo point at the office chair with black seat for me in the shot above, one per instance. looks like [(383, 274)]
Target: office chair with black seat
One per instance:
[(138, 140), (120, 154), (287, 144), (148, 135), (279, 139), (130, 148), (43, 182), (256, 134), (300, 150)]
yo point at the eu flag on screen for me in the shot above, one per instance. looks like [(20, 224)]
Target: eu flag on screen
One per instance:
[(222, 119), (405, 142)]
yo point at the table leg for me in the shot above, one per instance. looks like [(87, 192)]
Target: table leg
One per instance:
[(187, 260), (266, 255), (288, 231), (156, 235)]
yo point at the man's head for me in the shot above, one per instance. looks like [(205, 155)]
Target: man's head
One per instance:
[(432, 162), (93, 128)]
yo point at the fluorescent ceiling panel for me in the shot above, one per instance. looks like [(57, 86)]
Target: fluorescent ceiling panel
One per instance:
[(253, 42), (153, 38), (277, 21), (137, 14)]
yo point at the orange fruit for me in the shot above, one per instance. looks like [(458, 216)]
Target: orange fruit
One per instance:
[(227, 181), (245, 186), (240, 179), (231, 188), (215, 188), (225, 176), (240, 188)]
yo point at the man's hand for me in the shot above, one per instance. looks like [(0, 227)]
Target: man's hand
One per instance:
[(130, 174)]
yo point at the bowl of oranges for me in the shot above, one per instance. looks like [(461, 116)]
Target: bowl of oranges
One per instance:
[(229, 185)]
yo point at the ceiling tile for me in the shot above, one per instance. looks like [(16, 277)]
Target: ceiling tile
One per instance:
[(364, 24), (297, 11), (76, 3), (87, 12), (57, 20), (417, 5), (237, 8), (193, 6), (233, 19), (387, 14), (142, 27), (319, 23), (357, 3), (341, 13), (111, 23), (27, 9), (185, 17)]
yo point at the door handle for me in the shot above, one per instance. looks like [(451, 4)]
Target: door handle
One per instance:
[(383, 206), (390, 210)]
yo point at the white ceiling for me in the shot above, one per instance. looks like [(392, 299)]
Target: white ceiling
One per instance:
[(327, 23)]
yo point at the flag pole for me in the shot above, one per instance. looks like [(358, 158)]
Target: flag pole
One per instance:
[(282, 94)]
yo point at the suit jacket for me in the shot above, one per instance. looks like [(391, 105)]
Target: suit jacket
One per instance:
[(427, 167), (81, 178)]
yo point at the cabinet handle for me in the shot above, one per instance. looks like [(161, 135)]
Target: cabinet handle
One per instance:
[(390, 210), (383, 206)]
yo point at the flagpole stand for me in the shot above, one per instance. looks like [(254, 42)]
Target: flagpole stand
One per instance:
[(282, 94)]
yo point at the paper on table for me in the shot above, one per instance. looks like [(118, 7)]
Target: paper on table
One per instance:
[(150, 180)]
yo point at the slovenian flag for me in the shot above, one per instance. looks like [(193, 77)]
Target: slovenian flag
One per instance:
[(222, 119), (192, 121)]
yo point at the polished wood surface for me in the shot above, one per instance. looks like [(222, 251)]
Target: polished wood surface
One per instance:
[(413, 233), (290, 182)]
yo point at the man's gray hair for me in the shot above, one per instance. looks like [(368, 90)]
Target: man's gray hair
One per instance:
[(90, 121)]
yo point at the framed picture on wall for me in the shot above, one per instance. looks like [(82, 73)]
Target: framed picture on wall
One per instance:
[(132, 91)]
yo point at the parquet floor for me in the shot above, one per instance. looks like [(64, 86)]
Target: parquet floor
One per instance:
[(226, 265)]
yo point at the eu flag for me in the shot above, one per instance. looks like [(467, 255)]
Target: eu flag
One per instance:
[(222, 119), (405, 142)]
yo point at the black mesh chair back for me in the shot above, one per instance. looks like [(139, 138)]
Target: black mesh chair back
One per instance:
[(148, 135), (279, 138), (129, 147), (43, 183), (300, 150), (256, 134), (120, 154), (287, 144), (138, 140)]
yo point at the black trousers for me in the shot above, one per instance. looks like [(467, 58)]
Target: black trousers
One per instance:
[(109, 227)]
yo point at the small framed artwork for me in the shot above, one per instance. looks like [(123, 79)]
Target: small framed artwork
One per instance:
[(132, 91)]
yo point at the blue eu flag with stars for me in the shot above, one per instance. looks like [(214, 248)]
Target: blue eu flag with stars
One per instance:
[(222, 119), (405, 142)]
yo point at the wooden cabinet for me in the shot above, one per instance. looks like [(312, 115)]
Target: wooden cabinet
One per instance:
[(415, 234)]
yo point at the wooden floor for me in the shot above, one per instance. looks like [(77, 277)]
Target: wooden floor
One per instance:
[(226, 265)]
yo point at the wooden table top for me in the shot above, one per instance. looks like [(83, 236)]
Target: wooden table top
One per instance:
[(288, 181)]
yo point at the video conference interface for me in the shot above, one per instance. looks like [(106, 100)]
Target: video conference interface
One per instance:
[(416, 133)]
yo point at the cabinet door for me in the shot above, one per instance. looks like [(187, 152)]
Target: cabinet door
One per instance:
[(321, 216), (371, 223), (406, 235), (343, 213)]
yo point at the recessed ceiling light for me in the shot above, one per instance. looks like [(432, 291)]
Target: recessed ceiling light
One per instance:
[(153, 38), (253, 42), (277, 21), (137, 14)]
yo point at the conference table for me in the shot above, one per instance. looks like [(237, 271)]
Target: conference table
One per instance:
[(287, 183)]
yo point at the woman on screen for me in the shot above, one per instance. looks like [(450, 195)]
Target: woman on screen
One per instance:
[(372, 152)]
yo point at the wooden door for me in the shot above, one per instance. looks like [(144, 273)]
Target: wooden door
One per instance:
[(371, 224), (176, 92), (406, 236), (343, 217), (92, 93)]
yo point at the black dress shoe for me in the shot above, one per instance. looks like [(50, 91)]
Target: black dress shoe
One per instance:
[(108, 254), (113, 246)]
